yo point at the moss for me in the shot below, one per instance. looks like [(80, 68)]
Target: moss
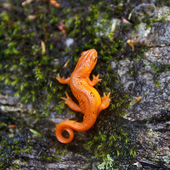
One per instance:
[(162, 3), (25, 61), (113, 140), (18, 143), (158, 69), (107, 164)]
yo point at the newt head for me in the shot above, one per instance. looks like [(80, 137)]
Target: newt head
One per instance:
[(87, 61)]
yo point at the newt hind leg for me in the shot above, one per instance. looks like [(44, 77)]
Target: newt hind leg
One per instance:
[(71, 104), (105, 102), (63, 80)]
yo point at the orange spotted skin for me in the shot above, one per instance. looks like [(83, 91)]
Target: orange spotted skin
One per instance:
[(90, 102)]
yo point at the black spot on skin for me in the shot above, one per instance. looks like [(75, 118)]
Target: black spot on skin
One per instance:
[(80, 83), (94, 112), (78, 96), (91, 94)]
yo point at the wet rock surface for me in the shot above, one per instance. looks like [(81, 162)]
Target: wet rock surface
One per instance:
[(71, 161), (151, 81), (157, 34), (159, 55)]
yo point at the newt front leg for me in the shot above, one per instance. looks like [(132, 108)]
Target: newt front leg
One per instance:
[(94, 81), (105, 102)]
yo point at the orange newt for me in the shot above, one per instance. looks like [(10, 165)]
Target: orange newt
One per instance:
[(90, 102)]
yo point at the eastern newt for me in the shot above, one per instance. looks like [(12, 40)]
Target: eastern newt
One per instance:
[(90, 102)]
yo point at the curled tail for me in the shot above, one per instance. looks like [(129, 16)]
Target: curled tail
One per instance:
[(58, 133), (69, 126)]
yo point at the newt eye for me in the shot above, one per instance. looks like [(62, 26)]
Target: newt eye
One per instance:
[(94, 58)]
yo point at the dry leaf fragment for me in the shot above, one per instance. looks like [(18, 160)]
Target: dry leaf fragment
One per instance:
[(27, 2), (12, 126), (53, 2), (32, 17), (114, 23), (137, 99), (126, 21), (65, 65), (43, 47), (62, 28), (45, 34), (7, 5), (131, 44)]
